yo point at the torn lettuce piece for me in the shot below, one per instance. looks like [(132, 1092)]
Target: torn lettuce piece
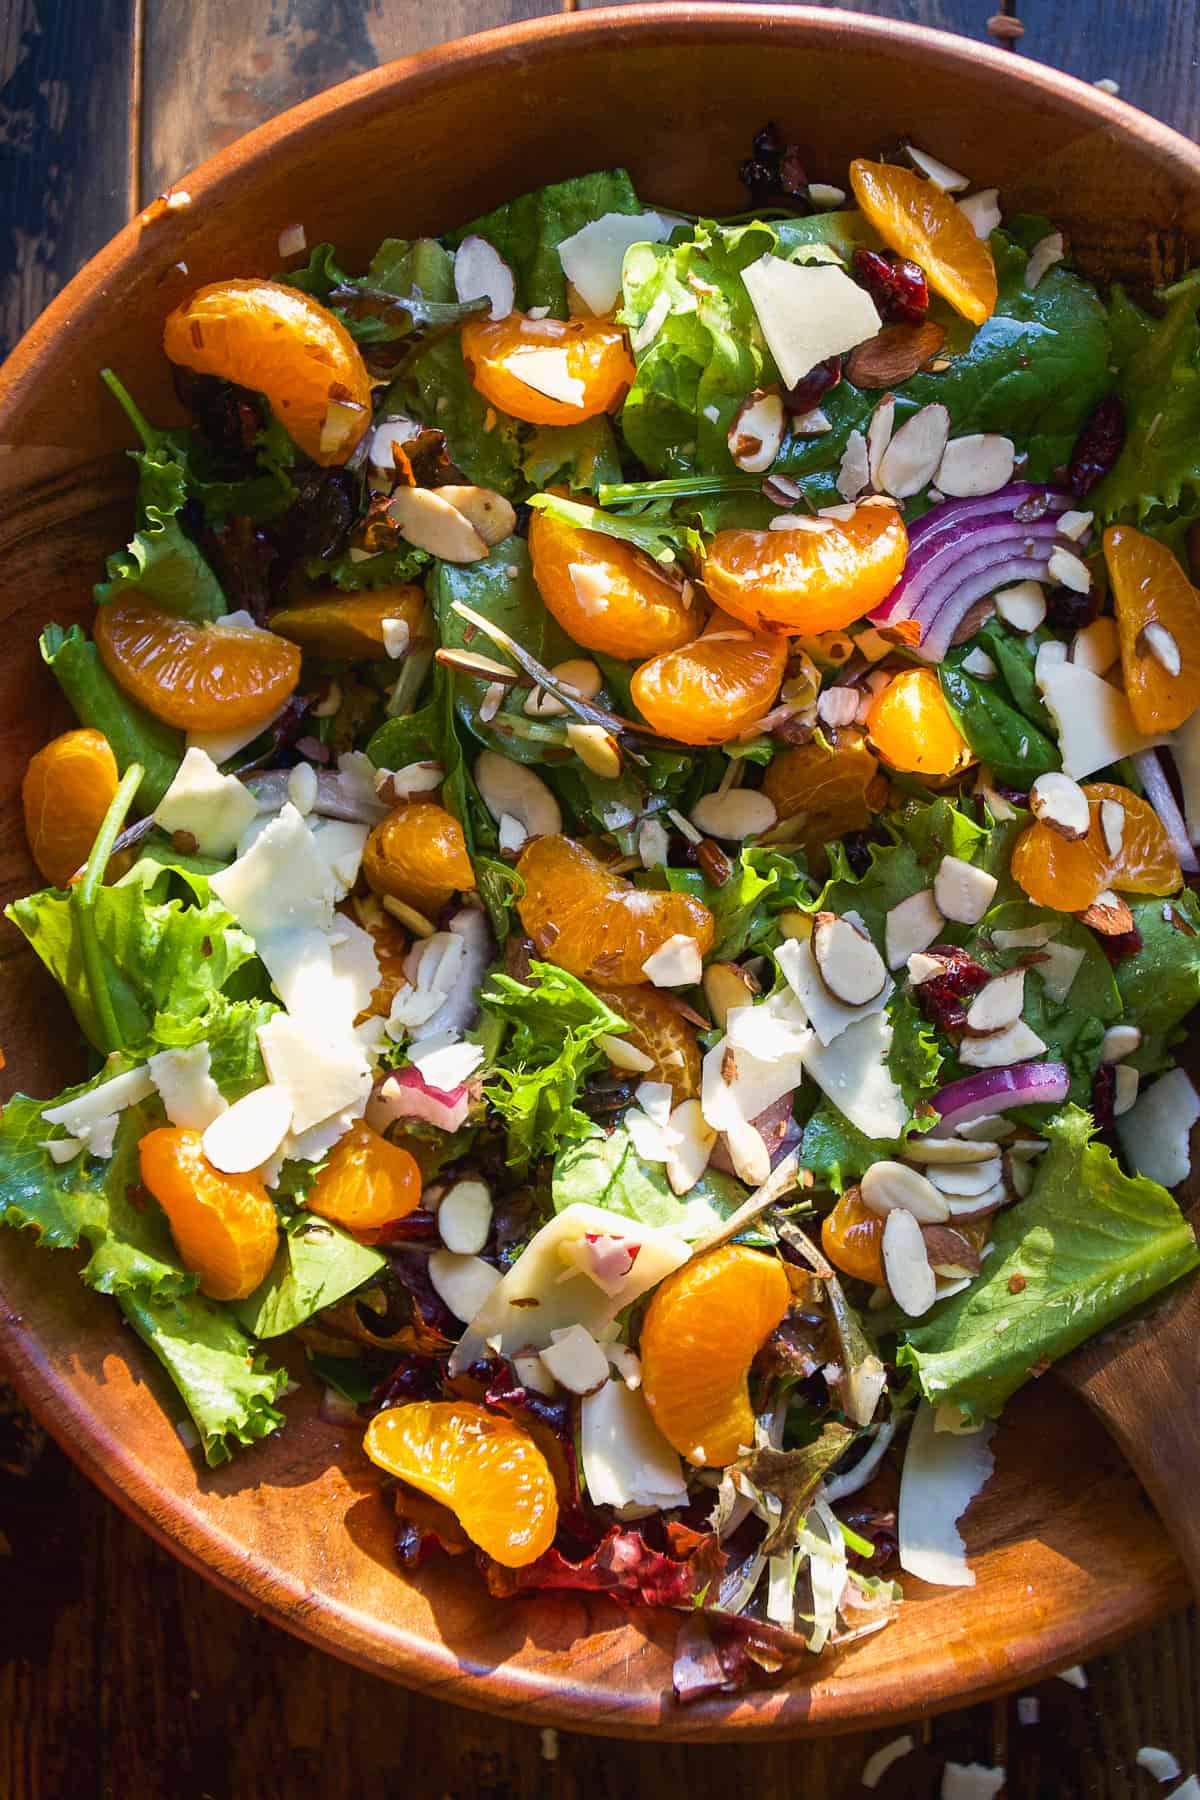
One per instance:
[(654, 529), (96, 700), (764, 883), (230, 1028), (87, 1201), (836, 1151), (228, 1389), (1087, 1245), (161, 562), (1160, 983), (316, 1265), (1158, 469), (605, 1170), (527, 231)]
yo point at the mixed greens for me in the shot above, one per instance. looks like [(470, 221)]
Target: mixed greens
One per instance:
[(624, 876)]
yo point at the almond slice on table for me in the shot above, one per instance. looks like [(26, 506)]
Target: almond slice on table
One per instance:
[(906, 1264), (887, 1185), (1061, 803), (962, 891), (911, 926), (999, 1004), (911, 459), (847, 961)]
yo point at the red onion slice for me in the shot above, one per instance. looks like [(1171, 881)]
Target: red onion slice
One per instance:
[(996, 1090), (404, 1095), (1153, 778)]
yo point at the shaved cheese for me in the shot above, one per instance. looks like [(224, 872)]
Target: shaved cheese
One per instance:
[(1155, 1134), (444, 1061), (186, 1087), (808, 314), (546, 1291), (62, 1150), (221, 745), (853, 1072), (281, 881), (828, 1016), (318, 1140), (1095, 726), (103, 1135), (592, 258), (547, 372), (626, 1459), (736, 1085), (877, 1765), (214, 808), (592, 584), (943, 1472), (248, 1133), (1059, 966), (340, 843), (88, 1115), (323, 1074), (775, 1028)]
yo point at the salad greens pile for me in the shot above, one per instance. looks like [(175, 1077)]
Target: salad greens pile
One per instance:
[(887, 1055)]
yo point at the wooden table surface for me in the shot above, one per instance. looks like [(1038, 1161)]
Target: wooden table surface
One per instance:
[(121, 1673)]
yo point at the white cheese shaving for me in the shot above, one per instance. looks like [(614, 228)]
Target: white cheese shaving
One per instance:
[(626, 1459), (186, 1087), (828, 1016), (1156, 1133), (93, 1116), (444, 1061), (1095, 726), (281, 881), (592, 258), (853, 1072), (942, 1474), (808, 314), (214, 808), (322, 1074), (221, 745), (548, 372)]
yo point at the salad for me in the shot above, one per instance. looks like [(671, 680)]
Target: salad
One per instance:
[(624, 870)]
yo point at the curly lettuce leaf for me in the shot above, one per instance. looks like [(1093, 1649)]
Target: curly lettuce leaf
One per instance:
[(230, 1028), (1160, 983), (96, 700), (605, 1170), (763, 883), (836, 1151), (549, 1049), (316, 1265), (228, 1390), (1087, 1245), (390, 568), (585, 456), (161, 562), (88, 1201), (1158, 469), (527, 231)]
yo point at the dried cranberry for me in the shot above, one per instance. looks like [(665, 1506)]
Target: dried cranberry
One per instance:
[(897, 286), (774, 170), (1069, 610), (811, 388), (1097, 447), (229, 417), (1104, 1095), (1120, 944), (414, 1377), (942, 997), (413, 1226), (792, 178), (879, 1528), (857, 847)]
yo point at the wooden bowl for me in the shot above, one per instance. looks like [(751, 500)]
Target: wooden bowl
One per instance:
[(1067, 1553)]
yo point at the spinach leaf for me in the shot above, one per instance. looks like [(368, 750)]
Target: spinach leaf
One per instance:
[(1160, 983), (1087, 1245), (604, 1170), (316, 1265), (1003, 738), (94, 697), (1016, 658), (527, 231)]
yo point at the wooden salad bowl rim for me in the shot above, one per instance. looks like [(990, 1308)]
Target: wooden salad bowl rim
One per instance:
[(1069, 1557)]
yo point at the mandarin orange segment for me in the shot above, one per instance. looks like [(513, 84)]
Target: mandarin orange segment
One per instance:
[(911, 727), (1061, 873), (350, 625), (828, 785), (483, 1466), (659, 1030), (67, 790), (596, 925), (852, 1239), (418, 854), (286, 345), (808, 581), (549, 371), (702, 1330), (391, 948), (196, 677), (604, 595), (714, 688), (1158, 622), (919, 221), (1145, 862), (225, 1227), (366, 1182)]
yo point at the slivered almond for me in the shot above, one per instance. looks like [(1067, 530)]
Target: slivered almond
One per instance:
[(513, 790), (579, 676), (999, 1004), (848, 962), (979, 463), (1155, 640), (1108, 914), (624, 1055), (966, 1180), (757, 431), (677, 963), (906, 1265), (727, 985), (893, 355), (946, 1153), (838, 706), (740, 813), (576, 1360), (911, 459), (473, 662), (1069, 570), (1062, 804), (1112, 825), (963, 1206), (854, 471), (888, 1185), (1016, 1043), (924, 968)]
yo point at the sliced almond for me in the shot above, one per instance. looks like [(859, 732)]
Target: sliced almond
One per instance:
[(982, 211), (464, 1217), (532, 1373), (848, 962), (462, 1283), (950, 1252), (1096, 646), (688, 1158), (1049, 656), (677, 963), (1023, 606), (1119, 1041), (596, 748), (1126, 1091), (963, 1206), (748, 1153), (978, 662), (1068, 570), (1017, 1043), (490, 513), (576, 1360), (911, 459), (624, 1055), (924, 968), (423, 518), (512, 790), (477, 665), (910, 926), (1112, 825), (740, 813), (990, 1128), (654, 844), (962, 892), (726, 985), (756, 435), (979, 463), (386, 436), (966, 1180), (998, 1005), (1062, 804), (481, 273), (943, 1153), (1155, 640), (906, 1265), (941, 175), (1108, 914), (1046, 252), (1019, 1176), (894, 355), (854, 471), (581, 677), (813, 423), (887, 1185), (248, 1133), (880, 427), (839, 706)]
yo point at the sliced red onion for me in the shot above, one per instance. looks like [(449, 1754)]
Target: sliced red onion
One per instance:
[(1153, 778), (996, 1090), (404, 1095), (963, 550), (337, 798), (460, 1009)]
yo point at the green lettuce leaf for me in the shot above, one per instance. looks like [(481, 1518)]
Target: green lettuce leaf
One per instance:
[(1160, 983), (161, 561), (316, 1265), (96, 700), (836, 1151), (1087, 1245), (390, 568), (764, 883), (1001, 736), (585, 456), (228, 1390), (550, 1048), (88, 1201), (605, 1170), (653, 529), (527, 231), (1159, 387), (230, 1028)]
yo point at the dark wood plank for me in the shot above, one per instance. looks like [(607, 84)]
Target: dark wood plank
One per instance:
[(1151, 48), (214, 69), (65, 83)]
